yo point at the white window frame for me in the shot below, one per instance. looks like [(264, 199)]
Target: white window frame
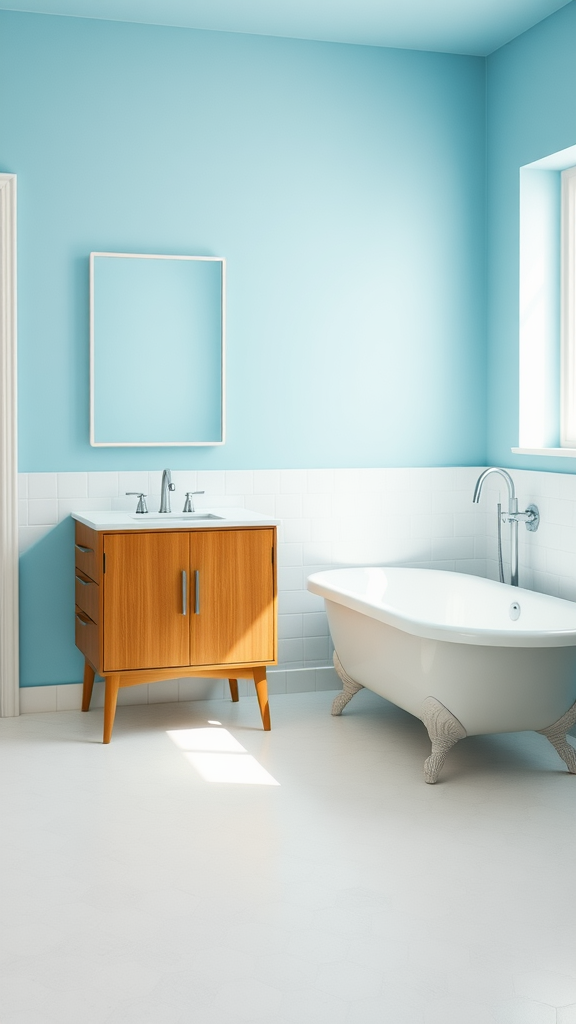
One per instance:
[(568, 310)]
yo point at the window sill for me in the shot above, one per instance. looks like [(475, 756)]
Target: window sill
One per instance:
[(566, 453)]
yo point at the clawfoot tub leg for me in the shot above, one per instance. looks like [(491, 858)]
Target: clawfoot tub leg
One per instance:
[(349, 687), (444, 731), (556, 733)]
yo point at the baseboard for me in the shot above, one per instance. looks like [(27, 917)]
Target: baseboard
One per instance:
[(68, 696)]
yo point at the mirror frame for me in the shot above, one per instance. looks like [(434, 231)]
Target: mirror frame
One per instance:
[(158, 444)]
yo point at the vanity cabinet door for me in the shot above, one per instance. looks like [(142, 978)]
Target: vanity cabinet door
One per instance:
[(146, 612), (232, 590)]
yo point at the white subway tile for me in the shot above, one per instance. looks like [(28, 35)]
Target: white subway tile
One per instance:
[(565, 485), (28, 536), (315, 624), (288, 506), (293, 481), (102, 485), (68, 505), (560, 563), (290, 651), (72, 485), (317, 555), (42, 511), (289, 626), (327, 679), (42, 485), (439, 525), (289, 554), (290, 578), (556, 511), (264, 503), (295, 531), (452, 501), (301, 680), (320, 481), (324, 530), (184, 480), (23, 485), (134, 481), (239, 481), (469, 524), (567, 588), (266, 481), (276, 681), (452, 547), (22, 512), (398, 479), (318, 506), (213, 482), (316, 649), (545, 583)]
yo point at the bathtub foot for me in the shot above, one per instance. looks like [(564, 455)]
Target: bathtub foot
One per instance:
[(444, 731), (556, 733), (349, 687)]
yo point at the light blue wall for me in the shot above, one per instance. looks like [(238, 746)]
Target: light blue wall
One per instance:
[(345, 186), (531, 113)]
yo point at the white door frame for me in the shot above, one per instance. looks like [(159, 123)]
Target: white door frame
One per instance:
[(9, 670)]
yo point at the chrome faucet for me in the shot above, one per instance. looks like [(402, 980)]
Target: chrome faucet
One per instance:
[(165, 489), (531, 517)]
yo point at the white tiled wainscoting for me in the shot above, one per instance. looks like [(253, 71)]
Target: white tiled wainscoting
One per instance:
[(329, 518)]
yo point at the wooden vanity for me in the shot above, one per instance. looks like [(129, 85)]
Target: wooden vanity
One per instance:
[(166, 603)]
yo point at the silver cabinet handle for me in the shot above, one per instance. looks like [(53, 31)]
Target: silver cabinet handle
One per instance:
[(84, 550), (85, 583), (184, 592), (196, 592), (81, 620)]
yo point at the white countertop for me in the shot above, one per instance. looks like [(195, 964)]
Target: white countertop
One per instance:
[(222, 517)]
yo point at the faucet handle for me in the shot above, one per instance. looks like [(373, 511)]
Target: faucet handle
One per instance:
[(189, 504), (141, 506)]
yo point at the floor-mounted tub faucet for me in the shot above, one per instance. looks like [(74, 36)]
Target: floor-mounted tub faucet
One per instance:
[(165, 489), (531, 517)]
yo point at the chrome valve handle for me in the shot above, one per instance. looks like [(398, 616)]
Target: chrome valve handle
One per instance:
[(141, 506), (189, 503)]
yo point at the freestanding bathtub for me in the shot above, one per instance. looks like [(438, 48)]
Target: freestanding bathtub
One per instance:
[(466, 655)]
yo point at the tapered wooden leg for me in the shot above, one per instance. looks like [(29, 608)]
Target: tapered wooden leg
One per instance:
[(110, 699), (233, 683), (261, 685), (87, 688)]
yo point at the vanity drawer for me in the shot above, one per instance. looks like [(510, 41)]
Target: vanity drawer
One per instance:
[(87, 595), (88, 637), (88, 551)]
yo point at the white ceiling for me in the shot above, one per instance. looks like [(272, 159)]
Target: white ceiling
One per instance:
[(451, 26)]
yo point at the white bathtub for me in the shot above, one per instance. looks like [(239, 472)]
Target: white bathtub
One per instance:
[(465, 654)]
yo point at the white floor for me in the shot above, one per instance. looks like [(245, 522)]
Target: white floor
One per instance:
[(133, 891)]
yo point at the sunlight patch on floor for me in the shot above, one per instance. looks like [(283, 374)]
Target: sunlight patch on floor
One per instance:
[(218, 757)]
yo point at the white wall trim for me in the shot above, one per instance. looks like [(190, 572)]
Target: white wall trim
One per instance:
[(9, 670)]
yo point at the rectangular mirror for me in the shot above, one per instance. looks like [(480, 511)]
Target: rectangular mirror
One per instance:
[(156, 350)]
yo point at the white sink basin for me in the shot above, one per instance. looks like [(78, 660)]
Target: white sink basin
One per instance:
[(173, 517), (203, 519)]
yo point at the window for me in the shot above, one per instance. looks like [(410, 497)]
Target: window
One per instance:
[(547, 356), (567, 310)]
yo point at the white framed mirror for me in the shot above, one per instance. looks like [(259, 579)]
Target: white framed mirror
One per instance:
[(157, 350)]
